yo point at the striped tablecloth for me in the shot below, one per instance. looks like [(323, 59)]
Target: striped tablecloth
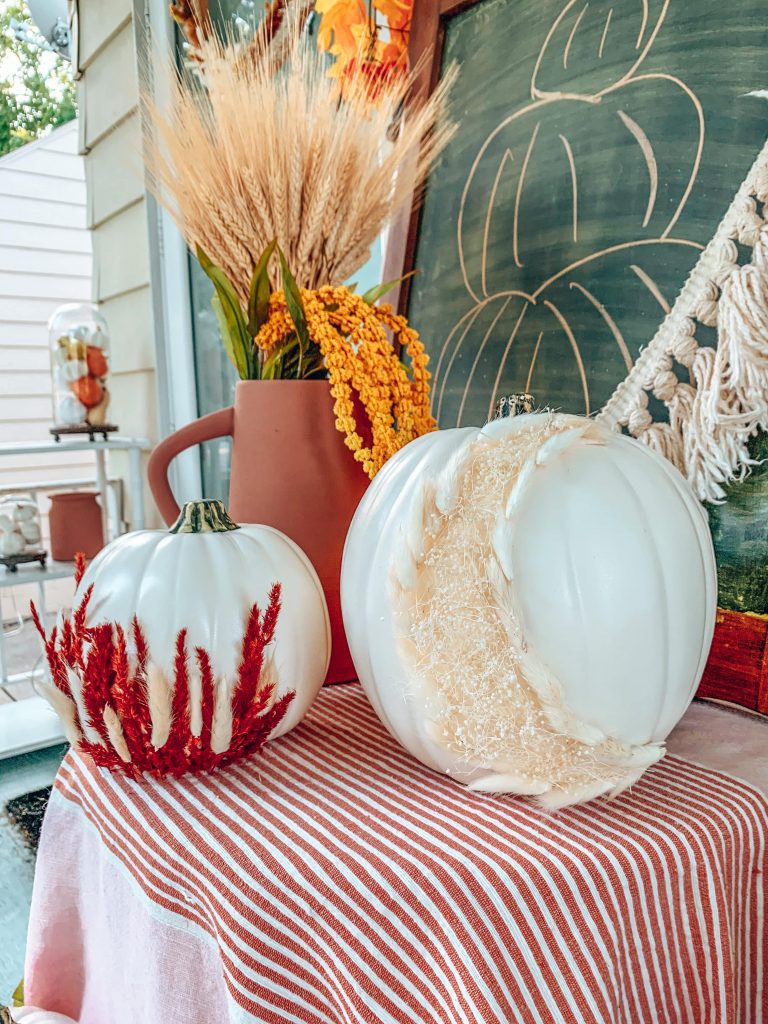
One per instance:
[(336, 880)]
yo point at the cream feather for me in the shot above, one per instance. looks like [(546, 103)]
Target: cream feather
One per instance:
[(509, 783), (195, 702), (115, 733), (221, 729), (76, 689), (159, 700), (65, 708)]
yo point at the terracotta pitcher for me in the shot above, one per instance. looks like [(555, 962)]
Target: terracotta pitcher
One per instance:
[(290, 470)]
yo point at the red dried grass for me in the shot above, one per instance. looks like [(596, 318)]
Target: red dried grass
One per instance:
[(112, 676)]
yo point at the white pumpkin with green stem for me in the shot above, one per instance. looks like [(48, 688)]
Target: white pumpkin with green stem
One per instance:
[(529, 606), (203, 575)]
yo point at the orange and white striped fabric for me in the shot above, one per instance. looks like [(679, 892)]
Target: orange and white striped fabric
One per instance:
[(336, 881)]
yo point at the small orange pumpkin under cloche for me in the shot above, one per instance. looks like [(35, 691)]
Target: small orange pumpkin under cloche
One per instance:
[(97, 363), (88, 390)]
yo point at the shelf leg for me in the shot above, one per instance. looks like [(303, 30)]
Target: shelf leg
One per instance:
[(101, 479), (3, 666), (137, 490)]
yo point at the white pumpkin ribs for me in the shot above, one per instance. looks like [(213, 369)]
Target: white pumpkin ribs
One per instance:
[(488, 698)]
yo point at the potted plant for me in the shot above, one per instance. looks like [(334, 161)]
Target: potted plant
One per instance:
[(281, 176)]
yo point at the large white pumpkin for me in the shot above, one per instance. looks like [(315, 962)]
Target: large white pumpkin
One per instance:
[(529, 606), (204, 575)]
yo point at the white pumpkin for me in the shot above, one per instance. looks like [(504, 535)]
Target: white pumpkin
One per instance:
[(203, 575), (11, 543), (30, 531), (529, 606), (34, 1015), (68, 410), (73, 370), (24, 513)]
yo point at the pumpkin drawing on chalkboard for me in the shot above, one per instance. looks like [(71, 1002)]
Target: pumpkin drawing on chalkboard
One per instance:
[(569, 219)]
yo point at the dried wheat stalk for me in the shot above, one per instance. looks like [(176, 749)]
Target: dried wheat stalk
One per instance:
[(252, 155)]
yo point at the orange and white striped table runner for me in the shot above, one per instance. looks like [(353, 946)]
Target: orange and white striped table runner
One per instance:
[(336, 881)]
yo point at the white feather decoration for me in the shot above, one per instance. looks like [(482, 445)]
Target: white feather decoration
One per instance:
[(115, 733), (159, 700), (65, 709), (221, 729), (76, 689)]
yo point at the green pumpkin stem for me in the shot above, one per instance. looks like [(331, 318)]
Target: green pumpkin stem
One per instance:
[(206, 516), (514, 405)]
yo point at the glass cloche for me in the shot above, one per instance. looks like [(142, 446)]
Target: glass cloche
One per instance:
[(79, 344)]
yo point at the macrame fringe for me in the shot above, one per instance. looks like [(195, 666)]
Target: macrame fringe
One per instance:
[(130, 715), (725, 403)]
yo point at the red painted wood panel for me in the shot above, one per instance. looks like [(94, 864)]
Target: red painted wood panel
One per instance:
[(737, 669)]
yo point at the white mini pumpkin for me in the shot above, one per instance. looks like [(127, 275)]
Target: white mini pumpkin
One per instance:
[(24, 513), (73, 370), (204, 575), (31, 534), (69, 411), (529, 606), (11, 543)]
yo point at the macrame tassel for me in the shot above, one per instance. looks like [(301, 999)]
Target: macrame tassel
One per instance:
[(666, 441), (731, 402), (712, 419)]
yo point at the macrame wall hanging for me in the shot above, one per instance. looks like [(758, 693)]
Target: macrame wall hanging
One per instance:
[(725, 401)]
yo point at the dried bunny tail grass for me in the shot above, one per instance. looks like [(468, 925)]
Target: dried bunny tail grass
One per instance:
[(132, 715), (248, 155)]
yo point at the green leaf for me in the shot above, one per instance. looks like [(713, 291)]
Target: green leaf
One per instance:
[(295, 308), (238, 342), (18, 996), (230, 340), (273, 365), (373, 295), (258, 299), (313, 364)]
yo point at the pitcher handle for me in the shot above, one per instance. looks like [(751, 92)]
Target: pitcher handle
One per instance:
[(216, 424)]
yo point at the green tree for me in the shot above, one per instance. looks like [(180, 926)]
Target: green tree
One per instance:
[(36, 88)]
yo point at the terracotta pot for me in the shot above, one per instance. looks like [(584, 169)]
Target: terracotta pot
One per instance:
[(75, 524), (290, 469)]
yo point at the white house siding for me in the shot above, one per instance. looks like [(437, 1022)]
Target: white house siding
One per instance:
[(45, 260), (110, 141)]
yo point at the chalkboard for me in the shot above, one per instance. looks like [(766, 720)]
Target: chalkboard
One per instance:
[(599, 145)]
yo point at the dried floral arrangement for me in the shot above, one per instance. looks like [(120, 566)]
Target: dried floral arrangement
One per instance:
[(280, 182), (193, 19), (113, 699), (366, 37)]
